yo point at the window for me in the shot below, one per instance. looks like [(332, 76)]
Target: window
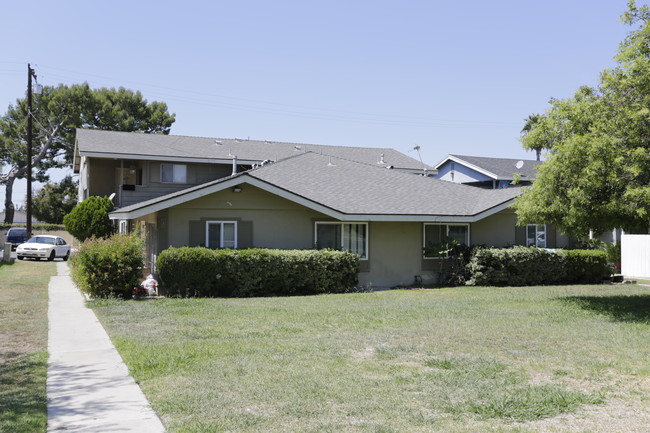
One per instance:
[(173, 173), (221, 234), (351, 237), (124, 227), (437, 233), (536, 235)]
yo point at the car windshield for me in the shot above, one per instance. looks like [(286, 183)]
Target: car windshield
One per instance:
[(42, 240)]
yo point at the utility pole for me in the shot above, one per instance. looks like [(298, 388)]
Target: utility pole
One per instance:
[(30, 74)]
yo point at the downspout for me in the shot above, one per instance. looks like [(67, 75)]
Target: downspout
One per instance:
[(119, 199), (234, 165)]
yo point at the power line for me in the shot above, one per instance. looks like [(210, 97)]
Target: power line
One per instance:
[(267, 107)]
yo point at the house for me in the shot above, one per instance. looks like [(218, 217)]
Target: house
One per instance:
[(487, 172), (235, 193), (133, 167), (498, 173), (20, 217), (315, 200)]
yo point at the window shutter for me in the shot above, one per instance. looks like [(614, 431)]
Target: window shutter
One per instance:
[(197, 234), (520, 235), (245, 234), (551, 236)]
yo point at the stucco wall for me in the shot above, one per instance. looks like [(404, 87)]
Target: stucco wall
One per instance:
[(102, 179), (395, 254), (276, 222), (496, 230)]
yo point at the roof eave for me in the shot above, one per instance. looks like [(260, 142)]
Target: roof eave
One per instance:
[(467, 164)]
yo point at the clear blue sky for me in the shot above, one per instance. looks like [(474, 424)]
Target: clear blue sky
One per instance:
[(449, 76)]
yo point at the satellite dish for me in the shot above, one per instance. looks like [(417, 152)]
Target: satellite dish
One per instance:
[(519, 164)]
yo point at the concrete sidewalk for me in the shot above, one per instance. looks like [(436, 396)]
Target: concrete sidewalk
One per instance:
[(88, 386)]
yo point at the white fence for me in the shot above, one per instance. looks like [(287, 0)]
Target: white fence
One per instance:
[(635, 255)]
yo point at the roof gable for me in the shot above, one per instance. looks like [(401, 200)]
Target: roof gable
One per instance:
[(349, 190), (495, 168)]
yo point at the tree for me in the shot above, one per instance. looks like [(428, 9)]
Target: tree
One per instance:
[(57, 111), (90, 218), (598, 173), (55, 200), (531, 121)]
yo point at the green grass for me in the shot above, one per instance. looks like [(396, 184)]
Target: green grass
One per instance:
[(452, 360), (23, 346)]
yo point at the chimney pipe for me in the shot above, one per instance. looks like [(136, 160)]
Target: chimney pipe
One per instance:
[(234, 165)]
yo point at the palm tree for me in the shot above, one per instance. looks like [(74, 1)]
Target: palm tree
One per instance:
[(531, 121)]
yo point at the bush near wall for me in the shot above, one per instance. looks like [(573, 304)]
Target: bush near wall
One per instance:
[(522, 266), (109, 267), (201, 271)]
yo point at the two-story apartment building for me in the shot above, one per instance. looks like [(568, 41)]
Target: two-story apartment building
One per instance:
[(220, 193), (134, 167)]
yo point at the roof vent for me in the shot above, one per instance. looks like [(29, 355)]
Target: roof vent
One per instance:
[(218, 142), (381, 159), (329, 162), (297, 148)]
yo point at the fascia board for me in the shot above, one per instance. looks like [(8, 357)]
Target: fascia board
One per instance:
[(486, 213), (244, 179), (247, 179), (76, 157), (106, 155), (468, 165)]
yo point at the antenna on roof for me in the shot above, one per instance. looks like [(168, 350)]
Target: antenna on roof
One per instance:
[(519, 164), (417, 149)]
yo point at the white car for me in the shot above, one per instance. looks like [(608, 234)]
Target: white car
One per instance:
[(43, 247)]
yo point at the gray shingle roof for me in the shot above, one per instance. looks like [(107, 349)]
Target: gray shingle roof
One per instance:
[(158, 146), (502, 168), (350, 187)]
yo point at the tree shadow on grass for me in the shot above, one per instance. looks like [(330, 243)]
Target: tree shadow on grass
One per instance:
[(621, 308)]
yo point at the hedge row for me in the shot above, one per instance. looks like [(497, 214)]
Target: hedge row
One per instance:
[(39, 226), (200, 271), (521, 266), (111, 267)]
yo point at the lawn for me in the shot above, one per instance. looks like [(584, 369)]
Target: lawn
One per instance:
[(23, 346), (538, 359)]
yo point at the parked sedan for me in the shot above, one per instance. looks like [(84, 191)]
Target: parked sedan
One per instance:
[(44, 247), (16, 236)]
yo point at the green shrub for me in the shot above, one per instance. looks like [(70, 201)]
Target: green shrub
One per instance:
[(255, 272), (109, 267), (586, 266), (90, 218), (614, 255), (521, 266)]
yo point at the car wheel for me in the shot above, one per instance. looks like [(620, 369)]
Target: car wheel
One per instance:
[(19, 257), (51, 256), (66, 257)]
